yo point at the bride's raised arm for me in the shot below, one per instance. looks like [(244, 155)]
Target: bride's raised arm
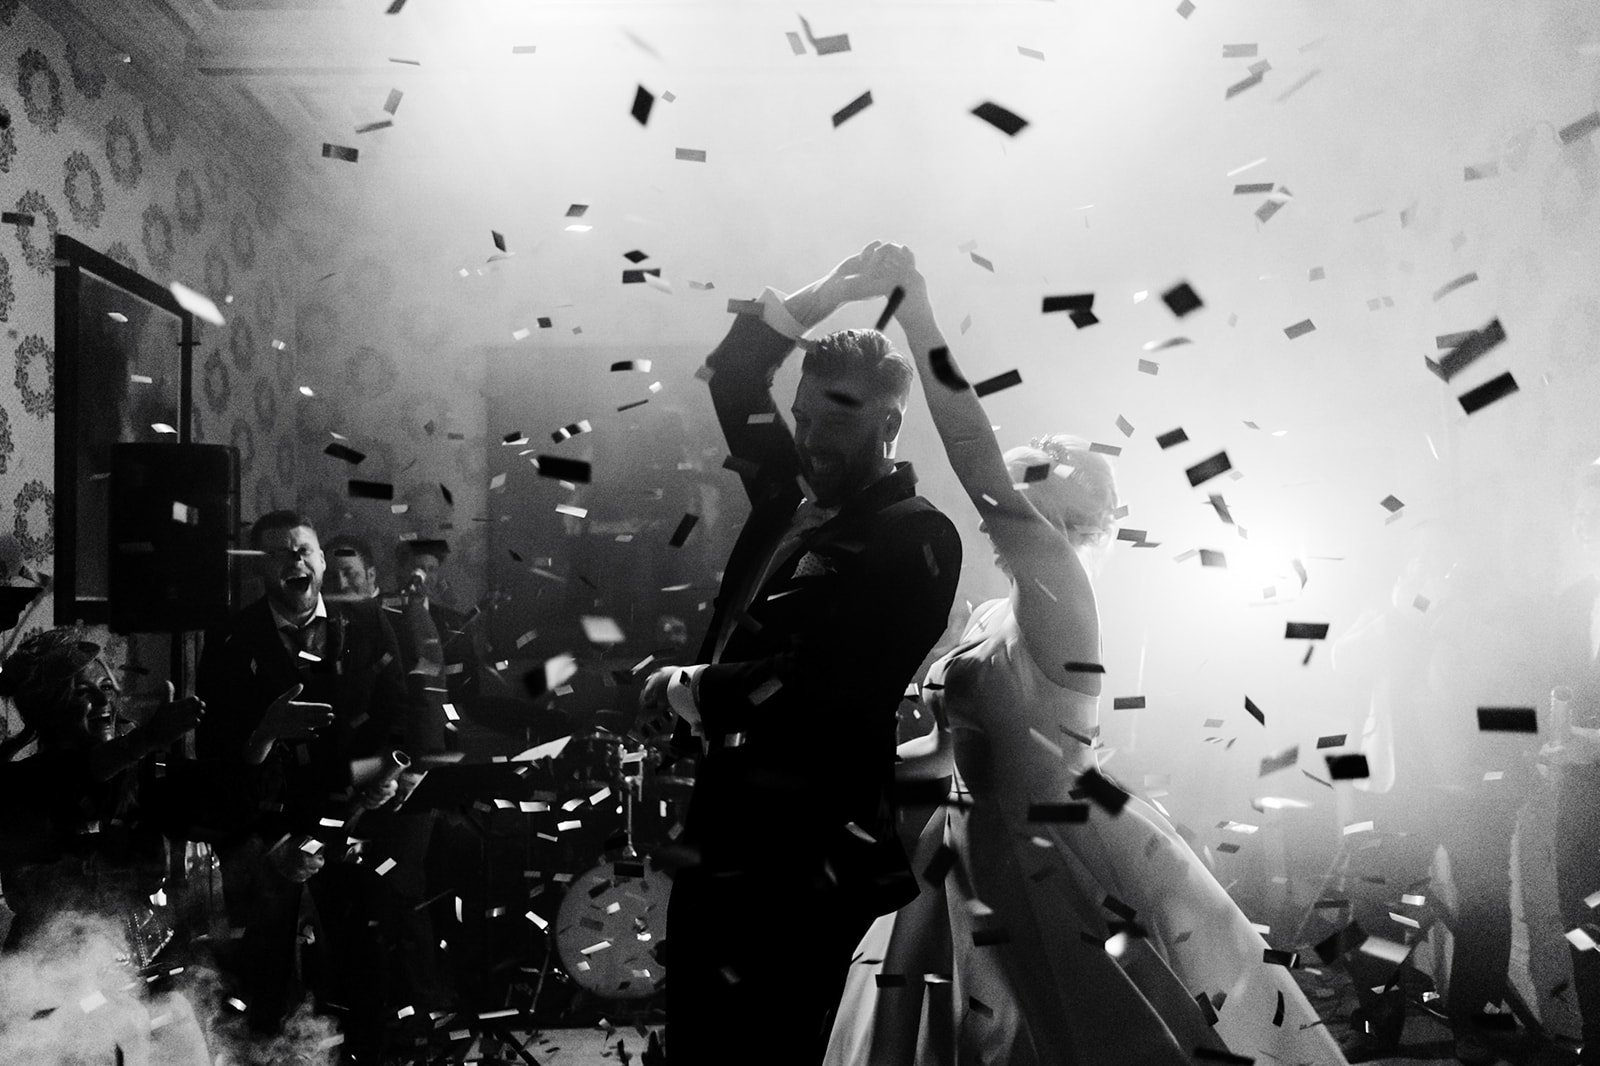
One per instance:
[(1054, 600)]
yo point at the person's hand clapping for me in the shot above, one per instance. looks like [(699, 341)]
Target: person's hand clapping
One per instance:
[(174, 717), (291, 719)]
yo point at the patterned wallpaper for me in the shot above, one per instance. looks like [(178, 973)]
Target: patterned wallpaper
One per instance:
[(87, 158)]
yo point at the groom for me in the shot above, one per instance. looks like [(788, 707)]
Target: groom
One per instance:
[(840, 582)]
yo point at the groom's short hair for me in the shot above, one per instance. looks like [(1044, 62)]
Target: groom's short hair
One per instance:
[(866, 356)]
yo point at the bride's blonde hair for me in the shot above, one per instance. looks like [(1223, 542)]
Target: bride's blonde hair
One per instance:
[(1080, 494)]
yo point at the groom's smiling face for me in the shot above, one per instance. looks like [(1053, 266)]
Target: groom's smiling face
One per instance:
[(839, 436)]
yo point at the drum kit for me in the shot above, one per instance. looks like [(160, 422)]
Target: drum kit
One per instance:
[(613, 917)]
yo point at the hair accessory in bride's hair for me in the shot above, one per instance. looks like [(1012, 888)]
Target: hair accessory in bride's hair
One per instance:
[(1054, 447)]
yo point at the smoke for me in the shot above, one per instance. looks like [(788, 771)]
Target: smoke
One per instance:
[(68, 995)]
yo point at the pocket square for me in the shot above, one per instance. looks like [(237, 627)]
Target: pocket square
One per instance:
[(811, 565)]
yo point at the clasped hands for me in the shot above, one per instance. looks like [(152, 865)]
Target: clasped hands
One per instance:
[(876, 270)]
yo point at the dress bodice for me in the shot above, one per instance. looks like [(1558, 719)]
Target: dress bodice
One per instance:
[(1007, 719)]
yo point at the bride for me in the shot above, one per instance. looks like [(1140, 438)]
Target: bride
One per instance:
[(1046, 934)]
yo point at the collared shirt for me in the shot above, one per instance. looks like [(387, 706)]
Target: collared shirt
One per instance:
[(310, 636)]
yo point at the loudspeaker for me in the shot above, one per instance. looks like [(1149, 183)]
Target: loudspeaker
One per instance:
[(174, 516)]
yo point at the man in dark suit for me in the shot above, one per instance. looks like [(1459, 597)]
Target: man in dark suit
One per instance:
[(307, 697), (1574, 751), (840, 581), (449, 649)]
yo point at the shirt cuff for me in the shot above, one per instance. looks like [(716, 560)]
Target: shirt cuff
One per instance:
[(777, 316), (682, 695)]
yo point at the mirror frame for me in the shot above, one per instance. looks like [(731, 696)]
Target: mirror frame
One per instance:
[(73, 256)]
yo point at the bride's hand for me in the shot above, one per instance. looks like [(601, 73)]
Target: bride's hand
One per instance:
[(875, 271)]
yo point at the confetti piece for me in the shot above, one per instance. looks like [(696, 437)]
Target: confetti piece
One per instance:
[(1251, 188), (563, 469), (1299, 329), (1305, 631), (572, 429), (1186, 8), (370, 490), (1127, 703), (1349, 767), (196, 304), (981, 261), (1102, 791), (1006, 122), (1148, 367), (1508, 720), (16, 218), (1479, 172), (1317, 274), (524, 49), (852, 109), (1488, 393), (373, 127), (1387, 950), (639, 277), (643, 101), (1281, 761), (632, 364), (896, 296), (691, 155), (1255, 712), (1209, 557), (1031, 53), (335, 151), (1580, 939), (600, 630), (1240, 86), (1451, 286), (1207, 469), (1181, 299), (998, 382), (685, 527), (1171, 438), (1465, 349), (1076, 302), (796, 45), (1581, 128), (1268, 209), (1391, 504), (384, 867), (1299, 84)]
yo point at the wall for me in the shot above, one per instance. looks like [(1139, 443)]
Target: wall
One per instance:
[(129, 177)]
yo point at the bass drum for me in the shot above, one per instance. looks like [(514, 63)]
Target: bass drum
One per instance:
[(609, 927)]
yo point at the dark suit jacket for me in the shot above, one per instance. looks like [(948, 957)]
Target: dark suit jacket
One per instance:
[(460, 649), (811, 677), (244, 667)]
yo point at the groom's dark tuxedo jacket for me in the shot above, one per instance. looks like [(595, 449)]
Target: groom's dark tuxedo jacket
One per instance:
[(799, 716)]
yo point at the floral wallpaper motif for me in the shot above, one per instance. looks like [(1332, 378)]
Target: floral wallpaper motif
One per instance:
[(40, 88), (215, 382), (7, 446), (87, 76), (216, 181), (266, 496), (8, 295), (120, 252), (36, 375), (241, 342), (191, 203), (243, 240), (122, 153), (88, 206), (217, 273), (158, 131), (266, 403), (243, 438), (35, 508), (283, 456), (8, 141), (157, 237), (38, 248), (8, 12)]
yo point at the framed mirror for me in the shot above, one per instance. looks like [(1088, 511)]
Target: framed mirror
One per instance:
[(124, 373)]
